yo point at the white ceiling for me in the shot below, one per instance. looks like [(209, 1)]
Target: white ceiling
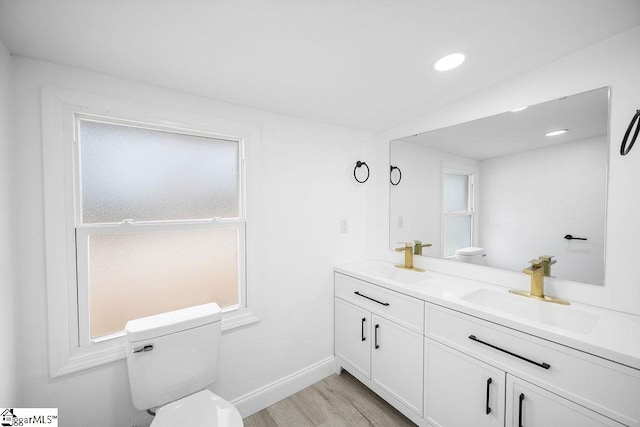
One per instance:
[(362, 64), (585, 115)]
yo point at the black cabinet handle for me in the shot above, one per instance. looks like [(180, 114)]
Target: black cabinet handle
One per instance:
[(364, 319), (488, 408), (369, 298), (376, 337), (520, 410), (542, 365)]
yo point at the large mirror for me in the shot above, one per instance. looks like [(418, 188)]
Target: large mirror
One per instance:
[(502, 190)]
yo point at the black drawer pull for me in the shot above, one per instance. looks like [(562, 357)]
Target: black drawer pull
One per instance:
[(520, 410), (364, 319), (376, 337), (542, 365), (488, 408), (374, 300)]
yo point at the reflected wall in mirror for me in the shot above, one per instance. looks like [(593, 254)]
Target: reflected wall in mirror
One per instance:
[(498, 192)]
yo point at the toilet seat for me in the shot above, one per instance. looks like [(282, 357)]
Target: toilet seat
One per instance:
[(201, 409)]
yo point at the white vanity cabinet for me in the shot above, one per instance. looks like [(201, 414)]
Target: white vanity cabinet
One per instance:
[(561, 386), (532, 406), (378, 339), (445, 363), (396, 362), (353, 336), (460, 390)]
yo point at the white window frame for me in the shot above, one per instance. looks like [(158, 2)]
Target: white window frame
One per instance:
[(472, 173), (70, 349)]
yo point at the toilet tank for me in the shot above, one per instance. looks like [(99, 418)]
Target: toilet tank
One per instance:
[(172, 355), (471, 255)]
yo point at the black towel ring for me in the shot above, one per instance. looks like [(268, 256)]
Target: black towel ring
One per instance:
[(624, 150), (391, 175), (358, 164)]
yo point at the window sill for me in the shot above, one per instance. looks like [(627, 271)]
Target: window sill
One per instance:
[(237, 319)]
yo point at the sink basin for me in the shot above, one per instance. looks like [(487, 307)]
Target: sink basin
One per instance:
[(390, 272), (559, 316)]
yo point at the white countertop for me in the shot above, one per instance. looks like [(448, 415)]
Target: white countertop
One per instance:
[(614, 336)]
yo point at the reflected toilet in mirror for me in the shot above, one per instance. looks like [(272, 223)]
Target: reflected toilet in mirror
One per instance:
[(470, 255)]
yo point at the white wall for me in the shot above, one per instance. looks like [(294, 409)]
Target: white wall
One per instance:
[(418, 196), (305, 188), (552, 191), (8, 285), (614, 62)]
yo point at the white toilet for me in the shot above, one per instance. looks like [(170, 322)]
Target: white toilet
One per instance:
[(470, 255), (171, 358)]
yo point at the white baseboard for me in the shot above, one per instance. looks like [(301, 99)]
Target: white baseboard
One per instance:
[(263, 397)]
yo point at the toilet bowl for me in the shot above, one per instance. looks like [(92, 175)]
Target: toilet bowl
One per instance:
[(201, 409), (171, 359)]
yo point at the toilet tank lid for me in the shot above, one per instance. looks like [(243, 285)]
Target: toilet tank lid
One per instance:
[(469, 251), (172, 322)]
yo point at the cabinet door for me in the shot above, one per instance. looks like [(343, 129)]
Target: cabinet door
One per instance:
[(531, 406), (352, 336), (396, 360), (461, 390)]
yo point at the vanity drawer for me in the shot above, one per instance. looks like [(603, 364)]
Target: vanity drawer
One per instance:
[(402, 309), (601, 385)]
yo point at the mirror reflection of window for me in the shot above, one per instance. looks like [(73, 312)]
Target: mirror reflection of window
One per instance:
[(457, 193)]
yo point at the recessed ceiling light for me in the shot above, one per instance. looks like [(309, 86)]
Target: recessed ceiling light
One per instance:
[(556, 132), (449, 62), (519, 109)]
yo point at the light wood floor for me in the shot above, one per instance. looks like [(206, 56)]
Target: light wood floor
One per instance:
[(336, 401)]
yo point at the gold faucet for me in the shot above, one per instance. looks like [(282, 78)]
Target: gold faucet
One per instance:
[(408, 257), (536, 271), (539, 268), (418, 245)]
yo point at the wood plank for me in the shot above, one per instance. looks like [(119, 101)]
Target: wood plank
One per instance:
[(336, 401)]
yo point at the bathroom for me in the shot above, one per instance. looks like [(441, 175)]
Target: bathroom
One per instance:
[(345, 101)]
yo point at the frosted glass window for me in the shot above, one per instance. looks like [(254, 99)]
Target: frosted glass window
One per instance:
[(149, 175), (133, 275), (457, 233), (456, 192)]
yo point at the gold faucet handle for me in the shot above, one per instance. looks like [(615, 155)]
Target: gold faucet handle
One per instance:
[(548, 258), (536, 264), (407, 246)]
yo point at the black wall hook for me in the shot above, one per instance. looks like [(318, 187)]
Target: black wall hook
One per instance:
[(358, 165), (624, 150), (391, 175)]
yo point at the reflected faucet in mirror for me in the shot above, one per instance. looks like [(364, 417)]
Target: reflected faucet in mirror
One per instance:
[(538, 270), (408, 249), (547, 262), (418, 245)]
